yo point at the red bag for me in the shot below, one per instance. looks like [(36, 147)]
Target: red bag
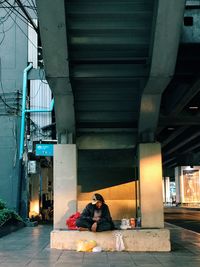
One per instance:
[(71, 221)]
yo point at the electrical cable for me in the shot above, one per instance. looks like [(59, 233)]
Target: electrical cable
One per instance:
[(33, 4), (3, 32), (34, 10), (6, 30), (13, 6), (4, 18), (23, 31), (38, 129), (42, 77), (14, 10), (1, 81), (39, 88), (14, 21), (3, 99), (27, 15), (30, 7), (2, 21), (7, 105)]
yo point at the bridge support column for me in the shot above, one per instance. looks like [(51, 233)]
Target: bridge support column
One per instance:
[(65, 183), (150, 175)]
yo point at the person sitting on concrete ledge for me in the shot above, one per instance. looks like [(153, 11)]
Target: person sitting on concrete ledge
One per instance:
[(96, 216)]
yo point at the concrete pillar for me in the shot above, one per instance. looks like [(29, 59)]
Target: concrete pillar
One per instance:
[(163, 190), (167, 189), (150, 175), (178, 184), (65, 183)]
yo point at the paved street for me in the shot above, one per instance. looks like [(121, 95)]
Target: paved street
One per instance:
[(184, 217), (30, 247)]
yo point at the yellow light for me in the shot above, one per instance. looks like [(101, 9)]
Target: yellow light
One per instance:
[(34, 208)]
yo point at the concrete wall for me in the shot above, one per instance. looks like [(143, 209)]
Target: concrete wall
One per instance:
[(110, 173), (9, 159), (13, 59), (121, 199), (100, 169)]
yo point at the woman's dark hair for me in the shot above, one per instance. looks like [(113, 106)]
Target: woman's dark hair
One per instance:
[(99, 197)]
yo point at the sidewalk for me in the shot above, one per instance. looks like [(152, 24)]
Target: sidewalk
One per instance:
[(30, 247)]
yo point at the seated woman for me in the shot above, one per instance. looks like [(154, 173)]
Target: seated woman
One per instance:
[(96, 216)]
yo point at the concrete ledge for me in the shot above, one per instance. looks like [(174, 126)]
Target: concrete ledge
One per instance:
[(134, 240)]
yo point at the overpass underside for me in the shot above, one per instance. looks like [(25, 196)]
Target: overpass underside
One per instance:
[(108, 63)]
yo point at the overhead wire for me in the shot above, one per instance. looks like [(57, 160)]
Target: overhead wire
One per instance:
[(37, 129), (15, 11), (39, 88), (4, 18), (11, 10), (30, 7), (3, 99), (1, 81), (8, 29), (34, 9), (33, 3), (22, 31), (27, 15), (3, 32), (43, 76)]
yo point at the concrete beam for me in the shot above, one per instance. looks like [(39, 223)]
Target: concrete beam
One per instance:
[(52, 24), (182, 143), (164, 53), (65, 121), (53, 31), (106, 141), (175, 104), (184, 120), (172, 136)]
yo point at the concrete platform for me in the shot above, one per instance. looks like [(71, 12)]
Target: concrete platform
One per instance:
[(134, 240)]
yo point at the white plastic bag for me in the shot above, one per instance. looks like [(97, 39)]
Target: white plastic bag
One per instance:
[(97, 249), (119, 242)]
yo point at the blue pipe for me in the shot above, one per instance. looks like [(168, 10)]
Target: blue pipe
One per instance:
[(42, 110), (24, 110)]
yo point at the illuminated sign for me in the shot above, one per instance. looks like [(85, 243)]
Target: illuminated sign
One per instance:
[(44, 150)]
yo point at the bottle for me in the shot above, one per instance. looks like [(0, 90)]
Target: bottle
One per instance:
[(139, 222), (138, 217), (132, 222)]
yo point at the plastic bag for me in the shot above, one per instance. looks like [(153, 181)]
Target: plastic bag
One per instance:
[(119, 242), (86, 245), (71, 221), (97, 249)]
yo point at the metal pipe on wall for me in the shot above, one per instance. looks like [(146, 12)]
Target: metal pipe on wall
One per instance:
[(24, 110)]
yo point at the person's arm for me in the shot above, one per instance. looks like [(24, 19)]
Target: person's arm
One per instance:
[(105, 217), (86, 213)]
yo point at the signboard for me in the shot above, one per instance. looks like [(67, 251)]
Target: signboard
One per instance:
[(191, 189), (44, 150)]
